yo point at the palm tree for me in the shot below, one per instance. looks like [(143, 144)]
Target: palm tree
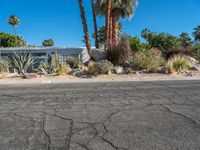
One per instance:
[(185, 40), (14, 21), (95, 24), (48, 43), (85, 28), (108, 17), (196, 33), (119, 9), (145, 33)]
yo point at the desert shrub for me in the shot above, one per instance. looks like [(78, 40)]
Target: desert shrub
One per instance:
[(3, 66), (73, 62), (105, 67), (178, 63), (3, 69), (93, 68), (121, 53), (148, 59), (63, 70), (21, 62)]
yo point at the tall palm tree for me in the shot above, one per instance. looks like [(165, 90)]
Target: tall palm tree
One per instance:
[(108, 17), (196, 33), (85, 28), (119, 9), (95, 24), (14, 21)]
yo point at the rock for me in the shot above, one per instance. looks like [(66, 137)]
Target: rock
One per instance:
[(99, 55), (194, 62), (76, 72), (196, 67), (118, 70)]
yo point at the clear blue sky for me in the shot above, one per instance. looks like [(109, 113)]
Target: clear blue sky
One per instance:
[(60, 19)]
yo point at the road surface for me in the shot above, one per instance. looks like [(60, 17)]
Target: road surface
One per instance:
[(161, 115)]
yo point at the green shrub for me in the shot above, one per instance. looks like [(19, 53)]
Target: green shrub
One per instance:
[(73, 62), (9, 40), (105, 67), (178, 63), (148, 59), (21, 62)]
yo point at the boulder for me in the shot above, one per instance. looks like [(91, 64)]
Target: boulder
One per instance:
[(76, 72), (118, 70), (195, 63), (99, 55)]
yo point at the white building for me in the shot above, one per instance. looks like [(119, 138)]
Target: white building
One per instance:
[(42, 54)]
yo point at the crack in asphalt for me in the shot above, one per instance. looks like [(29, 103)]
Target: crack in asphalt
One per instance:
[(99, 131), (46, 134), (182, 115)]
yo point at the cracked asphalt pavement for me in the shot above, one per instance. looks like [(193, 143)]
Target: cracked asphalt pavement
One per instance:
[(162, 115)]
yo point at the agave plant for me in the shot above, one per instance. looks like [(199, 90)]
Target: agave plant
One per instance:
[(48, 68), (20, 62)]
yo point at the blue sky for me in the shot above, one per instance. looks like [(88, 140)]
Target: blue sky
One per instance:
[(60, 19)]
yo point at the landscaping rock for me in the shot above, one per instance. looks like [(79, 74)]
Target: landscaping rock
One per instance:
[(99, 55), (118, 70), (195, 63), (76, 72)]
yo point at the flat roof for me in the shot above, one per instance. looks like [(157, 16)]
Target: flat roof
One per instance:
[(39, 48)]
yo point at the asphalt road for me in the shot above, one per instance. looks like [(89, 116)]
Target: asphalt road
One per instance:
[(101, 116)]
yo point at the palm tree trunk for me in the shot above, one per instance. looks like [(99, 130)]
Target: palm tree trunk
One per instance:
[(115, 27), (95, 24), (14, 27), (108, 10), (110, 31), (85, 28)]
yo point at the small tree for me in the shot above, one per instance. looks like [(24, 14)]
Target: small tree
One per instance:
[(48, 43)]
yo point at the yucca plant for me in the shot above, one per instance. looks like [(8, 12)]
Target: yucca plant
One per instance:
[(20, 62), (178, 63)]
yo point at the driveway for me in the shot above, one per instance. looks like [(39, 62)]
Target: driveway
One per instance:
[(101, 116)]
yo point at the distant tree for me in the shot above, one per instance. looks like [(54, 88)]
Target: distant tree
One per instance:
[(48, 43), (85, 28), (185, 40), (14, 21), (146, 33), (196, 33), (9, 40), (162, 41)]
